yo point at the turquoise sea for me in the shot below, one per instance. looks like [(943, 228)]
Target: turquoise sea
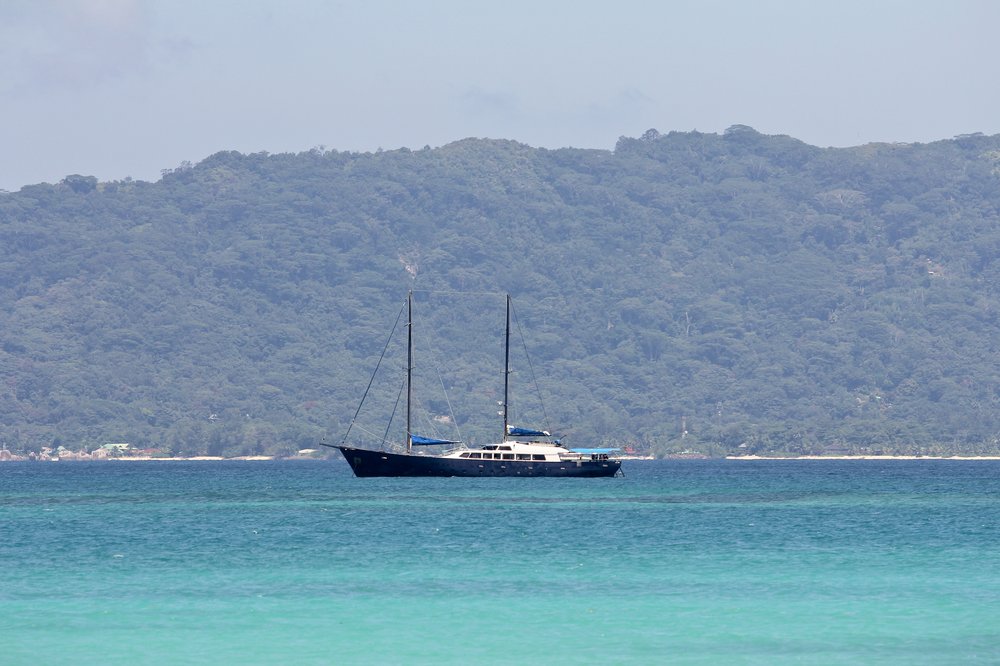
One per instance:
[(679, 562)]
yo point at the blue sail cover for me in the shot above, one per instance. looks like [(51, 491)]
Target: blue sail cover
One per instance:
[(417, 440), (593, 451), (526, 432)]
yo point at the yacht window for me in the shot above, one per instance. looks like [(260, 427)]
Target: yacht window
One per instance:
[(489, 448), (523, 456), (475, 455), (508, 456), (504, 448), (466, 455), (537, 456)]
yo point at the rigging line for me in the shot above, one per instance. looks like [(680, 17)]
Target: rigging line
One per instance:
[(392, 417), (423, 416), (436, 363), (451, 411), (368, 431), (384, 349), (440, 292), (531, 368), (416, 406), (373, 434)]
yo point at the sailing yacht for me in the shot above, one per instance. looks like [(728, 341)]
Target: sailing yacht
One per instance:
[(519, 452)]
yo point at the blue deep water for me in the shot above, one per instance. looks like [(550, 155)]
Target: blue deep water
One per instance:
[(679, 562)]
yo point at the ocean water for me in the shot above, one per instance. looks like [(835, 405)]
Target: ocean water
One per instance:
[(679, 562)]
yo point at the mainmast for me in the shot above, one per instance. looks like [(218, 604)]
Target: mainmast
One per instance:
[(409, 365), (506, 369)]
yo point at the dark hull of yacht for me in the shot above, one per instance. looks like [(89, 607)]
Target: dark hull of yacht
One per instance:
[(366, 462)]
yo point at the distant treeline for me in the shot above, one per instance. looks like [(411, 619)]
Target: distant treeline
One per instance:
[(701, 292)]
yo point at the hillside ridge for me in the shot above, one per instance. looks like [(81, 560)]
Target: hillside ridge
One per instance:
[(721, 293)]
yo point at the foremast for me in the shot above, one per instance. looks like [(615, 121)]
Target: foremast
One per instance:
[(409, 367), (506, 369)]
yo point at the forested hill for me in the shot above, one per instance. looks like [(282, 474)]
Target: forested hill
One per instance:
[(751, 293)]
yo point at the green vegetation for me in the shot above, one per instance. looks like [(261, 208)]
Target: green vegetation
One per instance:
[(769, 295)]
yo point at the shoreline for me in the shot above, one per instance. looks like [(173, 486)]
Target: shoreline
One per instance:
[(208, 458), (628, 458), (862, 457), (152, 459)]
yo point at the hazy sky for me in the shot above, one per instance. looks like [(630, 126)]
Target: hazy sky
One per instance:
[(116, 88)]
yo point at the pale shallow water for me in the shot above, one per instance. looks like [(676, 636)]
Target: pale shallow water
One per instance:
[(682, 562)]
